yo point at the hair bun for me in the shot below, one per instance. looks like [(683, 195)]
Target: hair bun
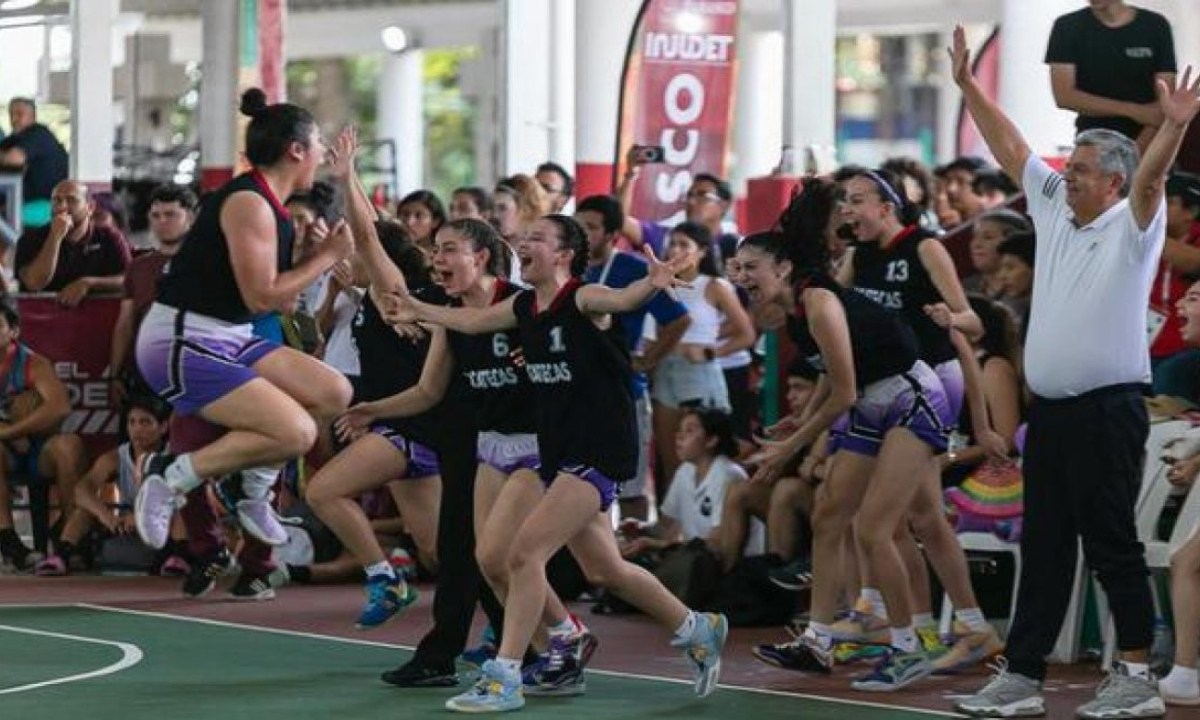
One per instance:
[(254, 101)]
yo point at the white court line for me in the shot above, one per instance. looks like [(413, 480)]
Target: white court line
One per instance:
[(608, 673), (130, 655)]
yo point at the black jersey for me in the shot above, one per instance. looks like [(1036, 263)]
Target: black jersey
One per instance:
[(883, 345), (200, 277), (896, 278), (390, 364), (498, 392), (581, 382)]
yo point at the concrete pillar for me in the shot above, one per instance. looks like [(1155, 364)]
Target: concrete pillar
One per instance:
[(810, 100), (526, 59), (602, 33), (399, 113), (563, 76), (1025, 91), (757, 126), (272, 15), (92, 118), (218, 92)]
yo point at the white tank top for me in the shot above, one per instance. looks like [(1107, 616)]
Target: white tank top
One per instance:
[(706, 319)]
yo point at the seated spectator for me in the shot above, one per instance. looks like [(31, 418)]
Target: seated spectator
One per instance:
[(41, 157), (994, 187), (947, 217), (109, 213), (1176, 367), (918, 187), (105, 494), (692, 509), (992, 228), (960, 174), (1181, 686), (470, 202), (35, 402), (73, 256), (1016, 275)]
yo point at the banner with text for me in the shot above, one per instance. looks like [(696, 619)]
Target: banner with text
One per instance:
[(77, 342), (677, 92)]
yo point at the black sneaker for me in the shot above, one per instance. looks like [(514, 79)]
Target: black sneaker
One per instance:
[(795, 576), (415, 674), (802, 654), (204, 573), (252, 588)]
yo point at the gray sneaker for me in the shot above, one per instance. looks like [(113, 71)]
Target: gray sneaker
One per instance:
[(1124, 696), (1006, 695)]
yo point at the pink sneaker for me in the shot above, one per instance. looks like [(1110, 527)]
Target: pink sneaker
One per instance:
[(174, 566), (52, 566)]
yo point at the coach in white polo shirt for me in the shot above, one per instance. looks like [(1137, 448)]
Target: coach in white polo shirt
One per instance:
[(1100, 228)]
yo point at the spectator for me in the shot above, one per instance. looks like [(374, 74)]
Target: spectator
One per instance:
[(918, 187), (1176, 368), (947, 217), (470, 202), (422, 214), (109, 213), (73, 256), (517, 202), (172, 209), (1017, 255), (991, 228), (312, 216), (994, 187), (558, 184), (1104, 61), (959, 177), (35, 403), (1100, 231), (707, 201), (42, 158)]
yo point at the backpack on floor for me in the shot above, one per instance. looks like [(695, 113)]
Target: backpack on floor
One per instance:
[(748, 598)]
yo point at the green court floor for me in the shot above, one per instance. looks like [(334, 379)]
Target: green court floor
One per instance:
[(106, 664)]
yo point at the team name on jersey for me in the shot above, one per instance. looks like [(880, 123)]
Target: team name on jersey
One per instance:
[(552, 373), (491, 378), (891, 299)]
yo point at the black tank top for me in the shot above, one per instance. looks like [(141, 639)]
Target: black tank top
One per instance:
[(882, 344), (896, 278), (500, 396), (390, 364), (581, 382), (200, 277)]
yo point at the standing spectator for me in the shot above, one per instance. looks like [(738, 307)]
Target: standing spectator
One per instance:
[(172, 208), (1104, 60), (34, 149), (1176, 368), (517, 202), (1100, 230), (707, 201), (73, 256), (558, 184), (470, 202)]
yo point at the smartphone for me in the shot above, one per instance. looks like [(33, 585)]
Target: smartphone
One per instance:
[(646, 154)]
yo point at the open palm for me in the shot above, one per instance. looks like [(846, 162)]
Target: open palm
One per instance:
[(1180, 103), (341, 154), (662, 272)]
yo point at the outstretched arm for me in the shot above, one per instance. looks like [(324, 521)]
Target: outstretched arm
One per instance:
[(599, 299), (1001, 135), (473, 321), (1179, 104)]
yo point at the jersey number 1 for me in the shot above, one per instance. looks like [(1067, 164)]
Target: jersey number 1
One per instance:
[(556, 340)]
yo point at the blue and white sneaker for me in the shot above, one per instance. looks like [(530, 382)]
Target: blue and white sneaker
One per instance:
[(704, 648), (897, 670), (386, 598), (560, 671), (494, 691)]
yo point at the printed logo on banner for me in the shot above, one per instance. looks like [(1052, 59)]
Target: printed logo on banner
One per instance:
[(678, 93)]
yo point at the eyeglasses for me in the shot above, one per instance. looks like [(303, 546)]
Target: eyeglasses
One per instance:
[(550, 189), (703, 195)]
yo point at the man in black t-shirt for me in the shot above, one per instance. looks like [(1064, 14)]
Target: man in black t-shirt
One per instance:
[(1104, 61), (34, 149)]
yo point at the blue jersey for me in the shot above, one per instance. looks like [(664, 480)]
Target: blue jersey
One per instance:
[(624, 269)]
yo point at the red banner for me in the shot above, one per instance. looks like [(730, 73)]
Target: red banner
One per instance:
[(678, 92), (77, 341)]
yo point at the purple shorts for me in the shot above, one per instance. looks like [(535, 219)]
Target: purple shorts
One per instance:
[(192, 360), (422, 460), (508, 453), (606, 486), (913, 399), (951, 375)]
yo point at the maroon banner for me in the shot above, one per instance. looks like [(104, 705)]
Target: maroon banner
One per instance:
[(678, 92), (77, 341), (986, 67)]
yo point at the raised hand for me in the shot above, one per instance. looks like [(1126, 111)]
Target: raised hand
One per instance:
[(341, 153), (662, 273), (340, 241), (1180, 103), (960, 57)]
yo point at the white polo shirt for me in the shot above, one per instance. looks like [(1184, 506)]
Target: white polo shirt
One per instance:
[(1087, 323)]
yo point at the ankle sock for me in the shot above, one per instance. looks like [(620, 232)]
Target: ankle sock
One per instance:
[(1138, 670), (973, 618), (904, 639), (380, 568), (180, 476), (563, 629), (687, 627), (875, 598), (1181, 682)]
